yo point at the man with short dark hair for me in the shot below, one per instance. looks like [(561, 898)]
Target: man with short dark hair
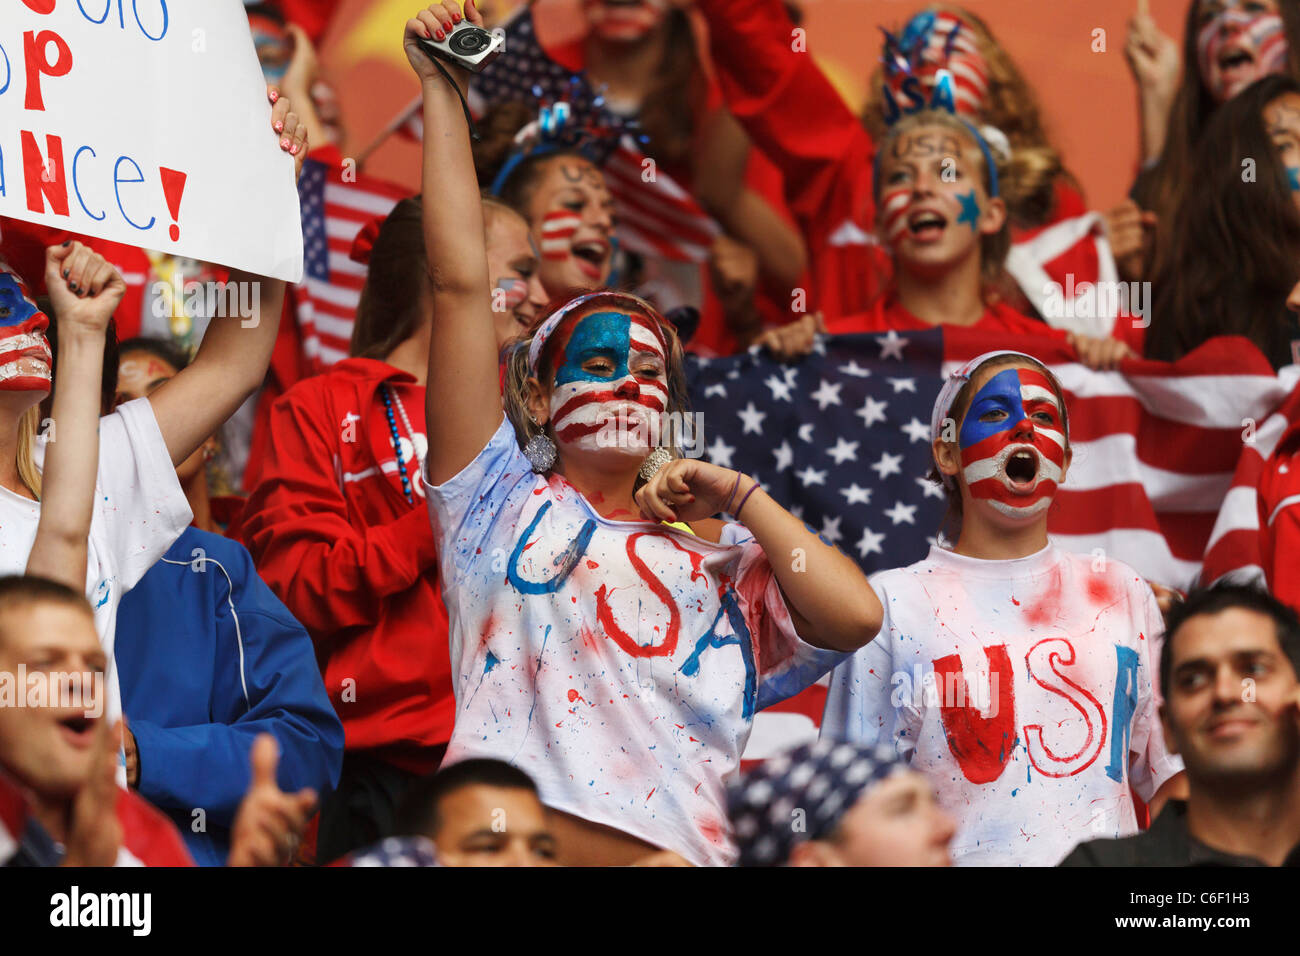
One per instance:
[(1231, 709), (479, 813)]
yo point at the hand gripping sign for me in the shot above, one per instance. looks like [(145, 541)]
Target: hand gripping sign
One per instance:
[(145, 122)]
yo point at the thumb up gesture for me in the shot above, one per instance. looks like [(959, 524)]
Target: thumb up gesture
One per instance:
[(270, 822)]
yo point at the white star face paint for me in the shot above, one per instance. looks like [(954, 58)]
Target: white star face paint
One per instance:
[(1013, 444), (611, 376)]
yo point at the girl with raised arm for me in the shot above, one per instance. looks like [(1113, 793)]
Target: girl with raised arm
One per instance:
[(612, 641)]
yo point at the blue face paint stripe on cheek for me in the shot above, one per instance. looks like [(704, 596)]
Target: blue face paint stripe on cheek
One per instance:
[(1000, 393)]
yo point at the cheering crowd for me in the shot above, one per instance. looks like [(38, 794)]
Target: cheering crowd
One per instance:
[(463, 596)]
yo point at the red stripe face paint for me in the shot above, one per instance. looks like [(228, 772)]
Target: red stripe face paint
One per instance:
[(1013, 443), (893, 211), (611, 387), (512, 293), (1236, 47), (558, 228)]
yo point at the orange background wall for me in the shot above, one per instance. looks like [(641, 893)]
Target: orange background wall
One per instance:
[(1088, 99)]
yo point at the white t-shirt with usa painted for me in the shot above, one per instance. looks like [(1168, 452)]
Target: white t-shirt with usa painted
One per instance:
[(618, 663), (1023, 690)]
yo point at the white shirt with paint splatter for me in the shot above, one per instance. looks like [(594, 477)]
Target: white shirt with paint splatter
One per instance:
[(618, 663), (1022, 689), (140, 510)]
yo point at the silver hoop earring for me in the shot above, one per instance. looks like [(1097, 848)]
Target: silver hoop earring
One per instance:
[(540, 452)]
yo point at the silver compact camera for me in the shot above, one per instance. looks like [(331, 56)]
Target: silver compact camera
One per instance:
[(469, 47)]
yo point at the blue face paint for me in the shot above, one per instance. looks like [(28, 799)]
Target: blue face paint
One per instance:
[(599, 335), (970, 210), (1293, 178), (15, 309), (1000, 393)]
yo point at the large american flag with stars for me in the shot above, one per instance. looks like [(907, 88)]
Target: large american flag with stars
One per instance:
[(1165, 455), (842, 439)]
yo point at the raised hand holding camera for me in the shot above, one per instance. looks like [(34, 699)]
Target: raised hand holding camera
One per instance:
[(442, 33)]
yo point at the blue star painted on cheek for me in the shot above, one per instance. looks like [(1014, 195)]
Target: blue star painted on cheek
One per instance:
[(608, 334), (1000, 393), (970, 210), (1293, 178)]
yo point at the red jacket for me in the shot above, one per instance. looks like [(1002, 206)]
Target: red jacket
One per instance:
[(798, 120), (334, 536)]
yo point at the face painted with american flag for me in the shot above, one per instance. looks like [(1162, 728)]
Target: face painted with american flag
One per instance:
[(572, 212), (611, 373), (1238, 42), (933, 202), (1014, 451), (934, 41)]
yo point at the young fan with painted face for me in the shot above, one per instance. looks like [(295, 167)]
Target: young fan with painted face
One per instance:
[(561, 194), (837, 181), (1232, 264), (946, 54), (611, 638), (1017, 677), (1227, 45)]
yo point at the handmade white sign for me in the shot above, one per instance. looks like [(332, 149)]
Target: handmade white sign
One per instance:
[(146, 122)]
